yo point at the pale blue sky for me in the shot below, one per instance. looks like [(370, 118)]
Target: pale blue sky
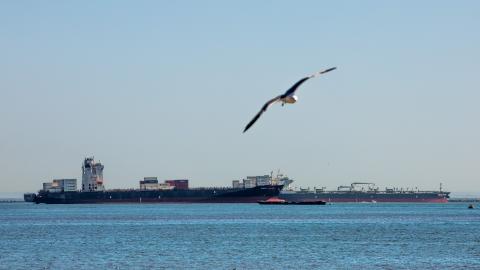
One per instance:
[(165, 88)]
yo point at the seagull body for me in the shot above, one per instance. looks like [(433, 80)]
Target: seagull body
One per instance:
[(288, 97)]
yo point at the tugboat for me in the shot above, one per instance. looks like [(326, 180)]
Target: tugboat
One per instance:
[(275, 200)]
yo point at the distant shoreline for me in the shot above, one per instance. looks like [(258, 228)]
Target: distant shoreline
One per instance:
[(16, 200), (464, 200)]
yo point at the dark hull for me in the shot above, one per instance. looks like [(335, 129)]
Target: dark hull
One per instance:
[(294, 203), (29, 197), (200, 195), (416, 197)]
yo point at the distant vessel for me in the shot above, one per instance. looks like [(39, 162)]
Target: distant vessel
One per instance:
[(29, 197), (64, 191), (191, 195), (277, 201), (249, 190), (366, 192)]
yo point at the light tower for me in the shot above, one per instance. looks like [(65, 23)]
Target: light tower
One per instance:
[(92, 175)]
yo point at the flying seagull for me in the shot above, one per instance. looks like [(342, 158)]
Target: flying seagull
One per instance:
[(287, 97)]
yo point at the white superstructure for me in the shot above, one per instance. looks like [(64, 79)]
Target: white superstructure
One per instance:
[(151, 183), (262, 180), (60, 185), (92, 175), (66, 184), (237, 184), (47, 186)]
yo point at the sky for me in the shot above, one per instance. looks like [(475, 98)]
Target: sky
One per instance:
[(165, 88)]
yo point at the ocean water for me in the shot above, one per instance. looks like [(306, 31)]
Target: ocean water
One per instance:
[(239, 236)]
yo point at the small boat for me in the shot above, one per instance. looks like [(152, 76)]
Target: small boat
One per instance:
[(471, 206), (275, 200)]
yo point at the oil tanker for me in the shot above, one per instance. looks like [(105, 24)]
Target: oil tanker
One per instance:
[(366, 192)]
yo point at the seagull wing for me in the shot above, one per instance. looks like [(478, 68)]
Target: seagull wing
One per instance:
[(297, 84), (264, 109), (322, 72)]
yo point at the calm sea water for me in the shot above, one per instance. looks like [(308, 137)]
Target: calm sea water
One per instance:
[(241, 236)]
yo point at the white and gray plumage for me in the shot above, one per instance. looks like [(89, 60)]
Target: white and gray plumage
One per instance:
[(287, 97)]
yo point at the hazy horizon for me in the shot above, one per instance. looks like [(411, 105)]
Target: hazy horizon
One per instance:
[(165, 89)]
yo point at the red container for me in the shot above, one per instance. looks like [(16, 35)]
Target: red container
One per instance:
[(178, 184)]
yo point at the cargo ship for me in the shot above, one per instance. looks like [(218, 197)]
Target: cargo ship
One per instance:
[(64, 191), (191, 195), (366, 192), (249, 190)]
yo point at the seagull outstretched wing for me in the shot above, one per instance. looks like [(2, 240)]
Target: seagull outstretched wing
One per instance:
[(264, 109), (322, 72), (301, 81)]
